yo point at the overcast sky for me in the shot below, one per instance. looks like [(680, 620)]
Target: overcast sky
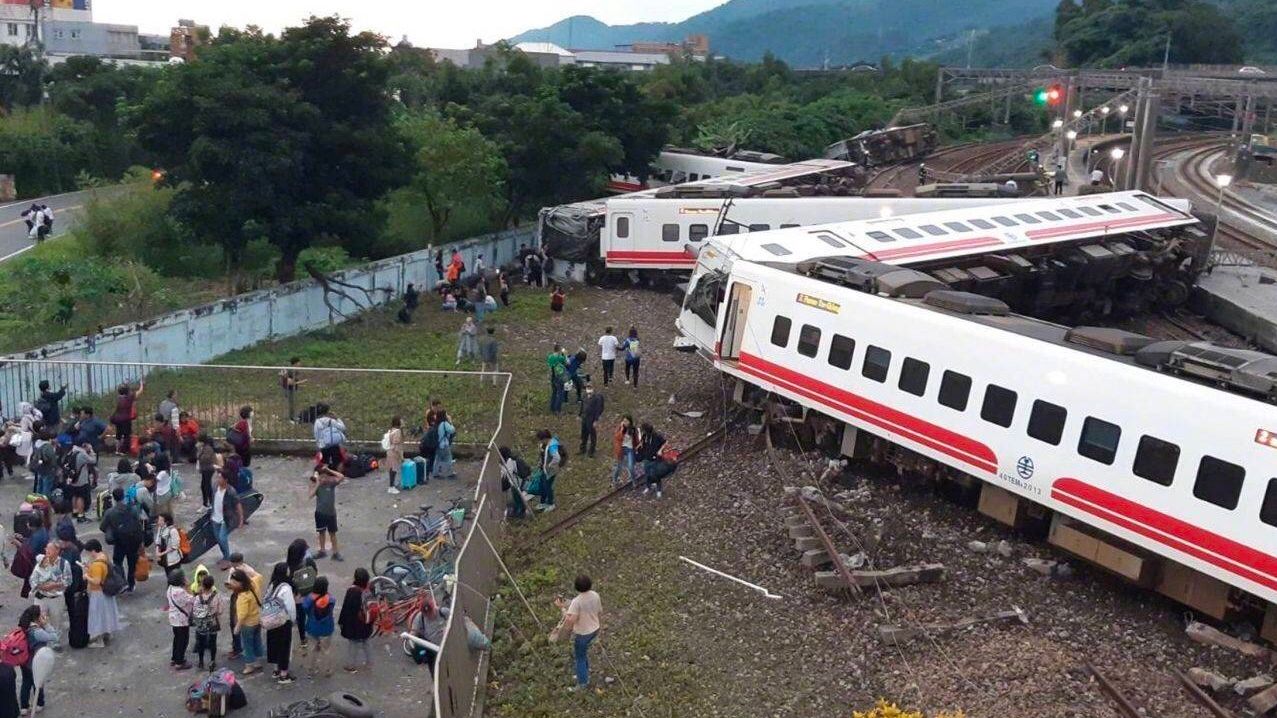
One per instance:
[(432, 23)]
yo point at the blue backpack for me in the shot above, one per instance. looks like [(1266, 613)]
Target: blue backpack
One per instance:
[(245, 480), (130, 495)]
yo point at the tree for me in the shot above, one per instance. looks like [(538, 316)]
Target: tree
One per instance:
[(21, 77), (287, 139), (614, 104), (100, 94), (1133, 32), (454, 167)]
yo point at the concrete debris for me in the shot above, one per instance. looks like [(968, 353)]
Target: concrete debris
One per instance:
[(898, 576), (1044, 566), (1253, 683), (1209, 679), (1202, 633), (978, 546), (1263, 701), (690, 414), (1004, 549), (900, 635), (754, 429), (854, 562)]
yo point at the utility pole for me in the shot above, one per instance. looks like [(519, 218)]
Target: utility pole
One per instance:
[(1166, 56), (970, 46)]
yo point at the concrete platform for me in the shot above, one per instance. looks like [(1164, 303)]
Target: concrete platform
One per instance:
[(1242, 299)]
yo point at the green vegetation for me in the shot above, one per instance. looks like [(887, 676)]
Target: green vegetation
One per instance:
[(1120, 33)]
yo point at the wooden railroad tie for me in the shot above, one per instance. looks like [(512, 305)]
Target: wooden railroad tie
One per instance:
[(900, 635)]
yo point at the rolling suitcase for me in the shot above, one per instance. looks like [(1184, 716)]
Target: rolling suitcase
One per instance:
[(423, 476), (408, 475), (78, 614)]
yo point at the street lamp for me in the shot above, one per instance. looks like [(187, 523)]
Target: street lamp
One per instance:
[(1057, 124), (1117, 154), (1121, 110), (1223, 181), (1104, 122), (1077, 114)]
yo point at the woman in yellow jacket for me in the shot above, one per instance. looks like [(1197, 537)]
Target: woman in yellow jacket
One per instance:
[(248, 604)]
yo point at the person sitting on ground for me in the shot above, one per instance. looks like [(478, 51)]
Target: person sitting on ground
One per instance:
[(648, 452)]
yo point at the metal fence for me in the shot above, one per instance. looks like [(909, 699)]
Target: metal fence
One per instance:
[(202, 333), (460, 671), (213, 394)]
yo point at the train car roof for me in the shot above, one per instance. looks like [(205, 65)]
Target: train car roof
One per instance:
[(909, 239)]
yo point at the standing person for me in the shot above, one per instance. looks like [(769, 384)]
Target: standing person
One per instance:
[(124, 415), (490, 353), (50, 580), (536, 277), (394, 451), (323, 489), (480, 266), (243, 433), (330, 436), (557, 299), (1060, 176), (104, 616), (46, 219), (302, 571), (319, 626), (122, 526), (550, 460), (289, 382), (444, 467), (355, 623), (181, 606), (503, 288), (439, 264), (522, 256), (575, 363), (624, 441), (632, 356), (40, 633), (84, 472), (429, 445), (169, 413), (467, 341), (583, 616), (227, 515), (591, 412), (279, 640), (44, 463), (164, 494), (649, 450), (48, 404), (168, 543), (91, 429), (248, 617), (206, 462), (608, 344), (206, 619), (558, 364), (188, 432)]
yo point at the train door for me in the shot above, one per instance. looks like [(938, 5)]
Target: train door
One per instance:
[(734, 328), (620, 240)]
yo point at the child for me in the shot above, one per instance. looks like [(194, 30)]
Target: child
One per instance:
[(319, 626), (356, 624), (449, 302), (181, 605), (556, 301), (206, 618)]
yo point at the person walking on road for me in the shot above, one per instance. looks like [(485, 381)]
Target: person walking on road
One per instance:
[(583, 617), (104, 616), (227, 515), (122, 525)]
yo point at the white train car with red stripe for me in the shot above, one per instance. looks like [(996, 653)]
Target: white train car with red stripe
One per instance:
[(1155, 460), (674, 166)]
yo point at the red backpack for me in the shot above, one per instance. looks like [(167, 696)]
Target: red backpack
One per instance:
[(14, 650)]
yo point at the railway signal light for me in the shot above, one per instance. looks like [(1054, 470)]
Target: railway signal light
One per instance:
[(1041, 95), (1054, 94)]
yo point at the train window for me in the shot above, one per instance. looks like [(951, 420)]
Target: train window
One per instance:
[(1027, 218), (955, 389), (999, 405), (1268, 509), (780, 331), (981, 223), (957, 226), (808, 340), (909, 233), (728, 228), (881, 236), (1046, 422), (729, 168), (877, 362), (669, 232), (698, 232), (932, 230), (1219, 482), (759, 227), (1071, 214), (789, 226), (1110, 209), (1005, 221), (776, 249), (1099, 440), (1090, 210), (1126, 207), (1049, 217), (694, 177), (622, 227), (1156, 460), (913, 376), (840, 350), (830, 239)]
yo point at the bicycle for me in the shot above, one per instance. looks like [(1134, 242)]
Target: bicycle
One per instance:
[(390, 615), (438, 550), (420, 527)]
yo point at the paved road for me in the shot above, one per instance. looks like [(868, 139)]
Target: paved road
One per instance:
[(67, 210)]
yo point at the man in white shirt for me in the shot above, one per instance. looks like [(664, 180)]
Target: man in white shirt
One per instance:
[(1097, 177), (607, 346)]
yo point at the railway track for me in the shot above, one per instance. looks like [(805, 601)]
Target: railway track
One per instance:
[(954, 159), (1242, 225), (573, 518)]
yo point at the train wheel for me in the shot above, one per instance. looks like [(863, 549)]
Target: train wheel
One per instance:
[(1174, 293)]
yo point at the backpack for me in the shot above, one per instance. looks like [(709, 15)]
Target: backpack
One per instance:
[(385, 441), (43, 459), (130, 495), (563, 457), (14, 649), (203, 618), (244, 482), (183, 542), (321, 613), (236, 438), (273, 612), (304, 578), (430, 441), (68, 466), (114, 581)]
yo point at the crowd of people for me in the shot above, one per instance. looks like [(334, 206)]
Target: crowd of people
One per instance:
[(39, 221)]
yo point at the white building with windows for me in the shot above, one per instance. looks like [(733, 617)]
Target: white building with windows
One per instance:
[(18, 22)]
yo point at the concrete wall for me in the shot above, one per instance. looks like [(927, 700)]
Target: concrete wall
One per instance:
[(196, 335)]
